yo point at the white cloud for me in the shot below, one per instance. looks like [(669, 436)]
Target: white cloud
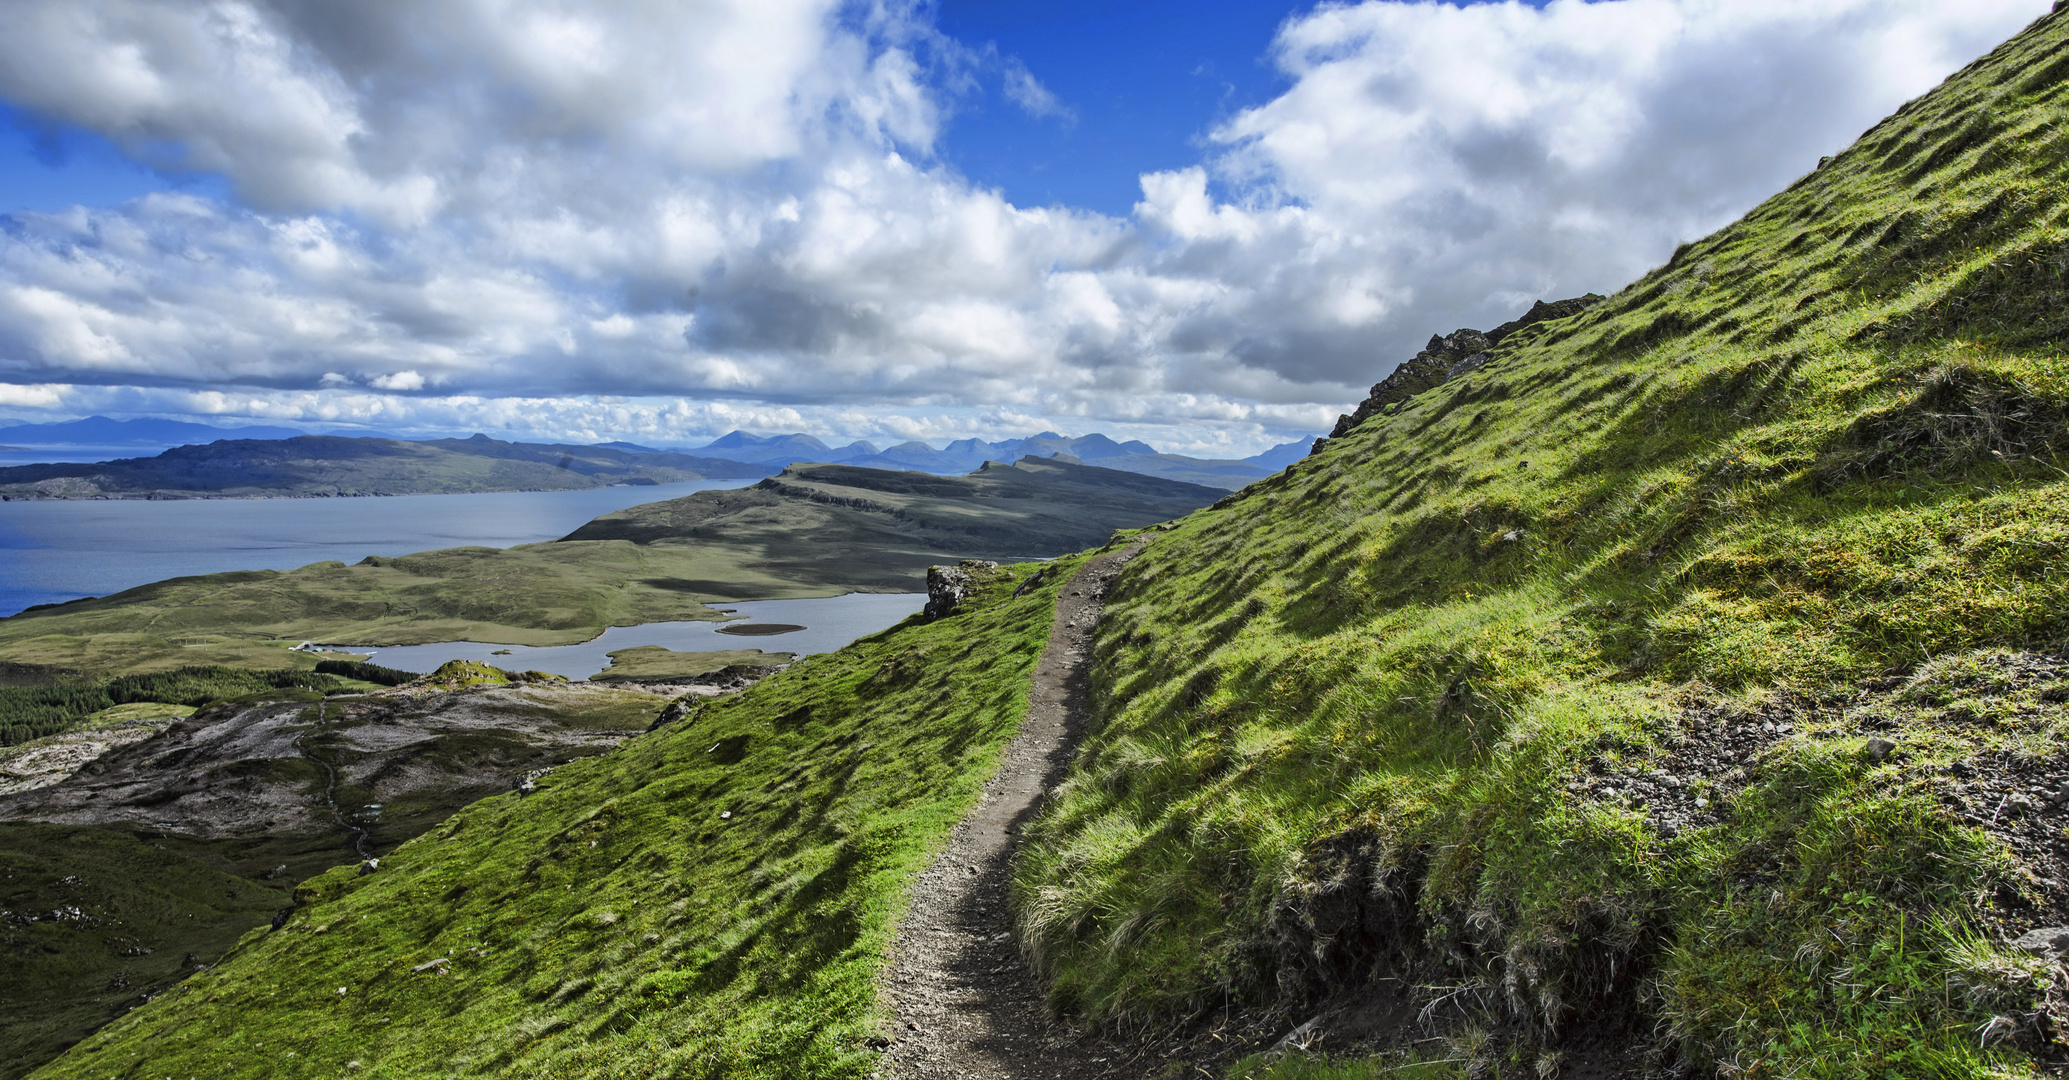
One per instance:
[(401, 380), (1026, 91), (733, 208)]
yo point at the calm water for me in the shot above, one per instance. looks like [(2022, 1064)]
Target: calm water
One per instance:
[(38, 455), (829, 624), (53, 550)]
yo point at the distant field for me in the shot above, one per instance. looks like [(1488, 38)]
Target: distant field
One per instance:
[(646, 662)]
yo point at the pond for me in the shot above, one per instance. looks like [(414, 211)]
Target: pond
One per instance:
[(826, 623)]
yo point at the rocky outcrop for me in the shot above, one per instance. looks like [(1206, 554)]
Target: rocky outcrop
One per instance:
[(1449, 356), (947, 586), (391, 763)]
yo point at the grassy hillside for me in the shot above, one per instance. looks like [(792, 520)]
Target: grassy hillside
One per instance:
[(1692, 675), (325, 465), (889, 526), (1555, 691), (534, 594), (712, 900), (99, 919)]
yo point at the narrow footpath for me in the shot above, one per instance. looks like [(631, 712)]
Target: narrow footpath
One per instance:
[(968, 1006)]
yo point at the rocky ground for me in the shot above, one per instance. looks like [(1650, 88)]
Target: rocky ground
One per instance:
[(46, 761), (385, 765)]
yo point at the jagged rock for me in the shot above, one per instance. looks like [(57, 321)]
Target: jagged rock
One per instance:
[(1543, 312), (1447, 357), (1878, 749), (947, 586), (1467, 364), (674, 711)]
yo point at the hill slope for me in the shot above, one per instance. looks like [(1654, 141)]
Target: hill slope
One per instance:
[(816, 513), (1692, 667)]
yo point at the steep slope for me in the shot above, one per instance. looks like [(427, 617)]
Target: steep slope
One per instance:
[(323, 465), (713, 899), (1689, 673)]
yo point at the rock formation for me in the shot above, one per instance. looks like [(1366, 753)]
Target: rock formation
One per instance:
[(948, 585), (1447, 357)]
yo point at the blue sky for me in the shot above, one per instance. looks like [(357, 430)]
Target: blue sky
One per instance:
[(1141, 83), (1207, 226)]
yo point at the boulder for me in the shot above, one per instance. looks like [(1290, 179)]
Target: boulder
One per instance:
[(948, 586)]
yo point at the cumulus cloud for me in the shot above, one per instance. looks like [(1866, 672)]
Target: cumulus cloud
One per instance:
[(732, 213)]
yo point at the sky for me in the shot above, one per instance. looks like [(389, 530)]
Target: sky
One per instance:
[(1206, 225)]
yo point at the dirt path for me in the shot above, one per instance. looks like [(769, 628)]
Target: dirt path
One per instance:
[(968, 1007)]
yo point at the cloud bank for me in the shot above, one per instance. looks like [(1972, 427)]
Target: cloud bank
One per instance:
[(680, 217)]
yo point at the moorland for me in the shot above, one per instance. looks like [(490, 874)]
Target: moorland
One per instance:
[(1676, 686)]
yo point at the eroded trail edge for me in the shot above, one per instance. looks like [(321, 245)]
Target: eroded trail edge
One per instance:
[(967, 1005)]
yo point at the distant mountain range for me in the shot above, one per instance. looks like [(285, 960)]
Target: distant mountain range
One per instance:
[(772, 452), (964, 455), (323, 465), (101, 431)]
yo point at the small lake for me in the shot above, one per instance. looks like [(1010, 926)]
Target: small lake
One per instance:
[(829, 623), (52, 550)]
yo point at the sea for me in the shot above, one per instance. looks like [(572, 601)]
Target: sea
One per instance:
[(53, 550)]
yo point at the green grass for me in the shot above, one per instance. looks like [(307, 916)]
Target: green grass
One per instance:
[(648, 662), (136, 913), (712, 899), (1338, 717)]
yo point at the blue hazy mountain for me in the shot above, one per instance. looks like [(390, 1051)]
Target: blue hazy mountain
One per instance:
[(782, 449), (1282, 455), (965, 455), (101, 431)]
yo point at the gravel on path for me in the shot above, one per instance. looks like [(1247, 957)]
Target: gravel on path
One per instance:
[(967, 1004)]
